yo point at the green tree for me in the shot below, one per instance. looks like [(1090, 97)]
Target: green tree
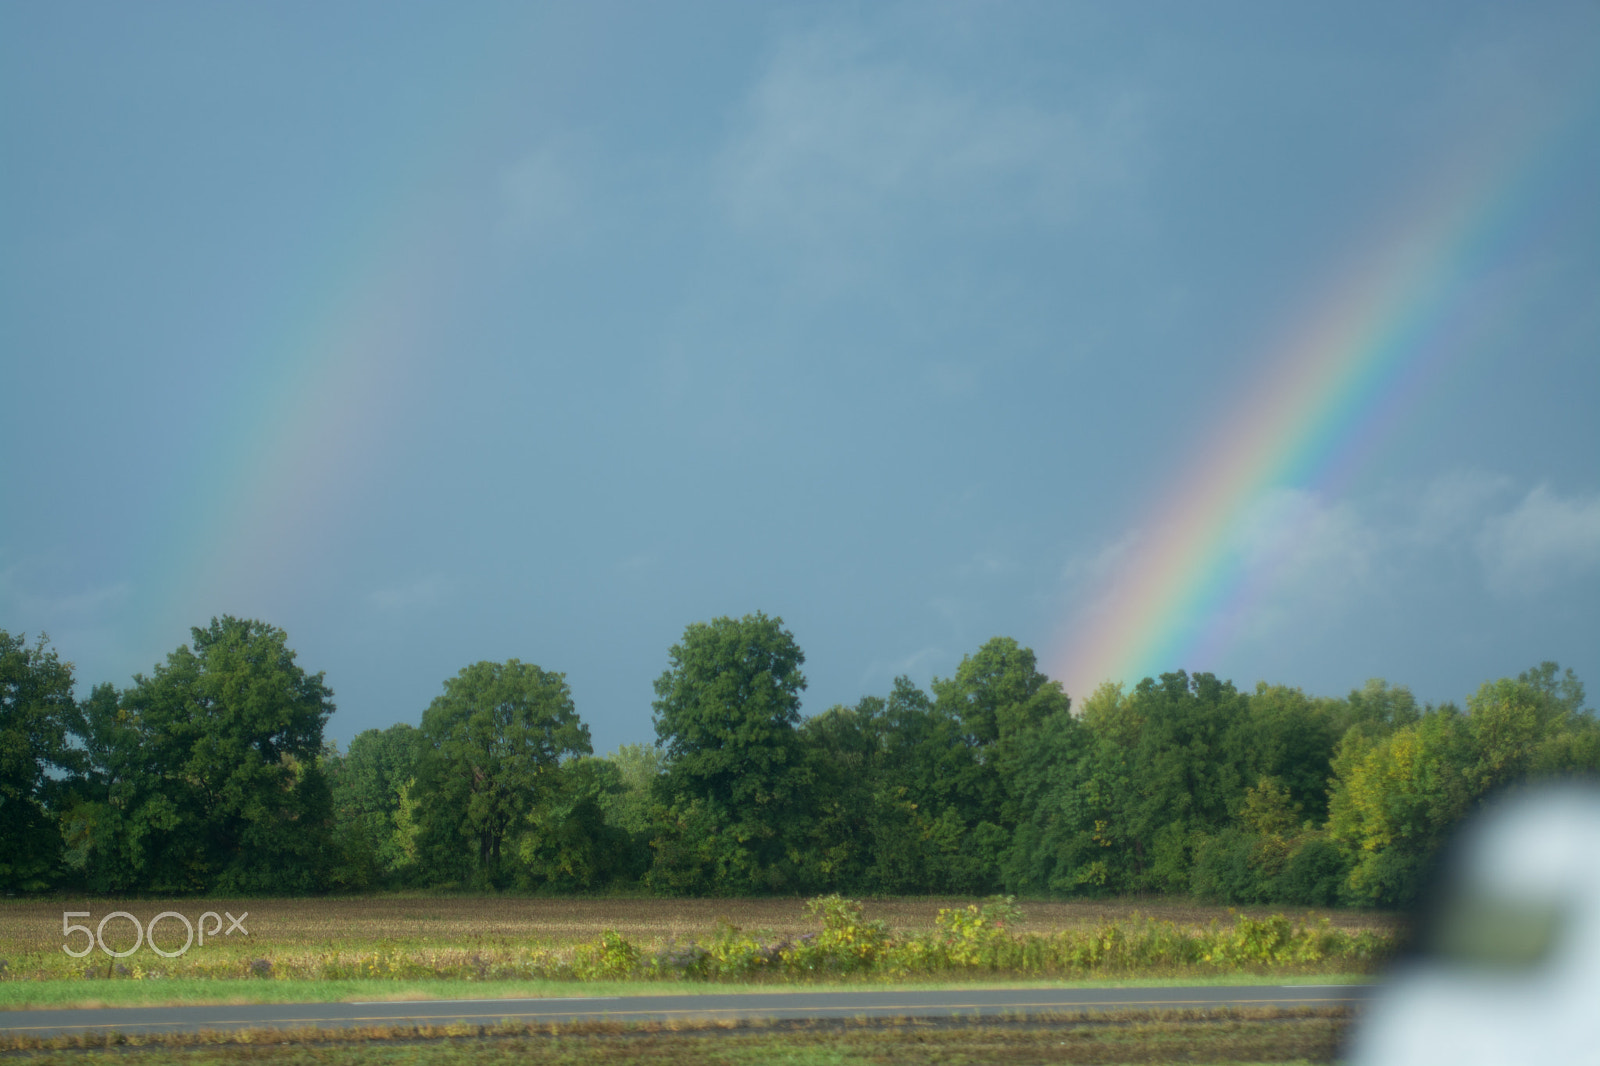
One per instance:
[(629, 806), (1394, 798), (37, 716), (1377, 709), (1046, 778), (1078, 840), (1000, 698), (566, 842), (904, 767), (1396, 795), (931, 791), (1126, 794), (493, 744), (843, 755), (1289, 737), (206, 773), (1186, 777), (367, 783), (1534, 726), (725, 714)]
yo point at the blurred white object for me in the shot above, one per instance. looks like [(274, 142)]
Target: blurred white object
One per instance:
[(1509, 970)]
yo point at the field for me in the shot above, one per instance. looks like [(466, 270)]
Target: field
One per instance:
[(34, 926), (282, 949), (421, 947)]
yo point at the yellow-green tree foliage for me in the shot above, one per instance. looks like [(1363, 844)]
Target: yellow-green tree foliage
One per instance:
[(1394, 797)]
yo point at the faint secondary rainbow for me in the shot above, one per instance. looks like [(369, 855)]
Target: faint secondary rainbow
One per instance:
[(1373, 342), (292, 454)]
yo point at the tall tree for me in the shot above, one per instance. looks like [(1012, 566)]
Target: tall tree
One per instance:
[(37, 714), (843, 753), (1395, 798), (493, 745), (1000, 700), (369, 782), (209, 771), (725, 713)]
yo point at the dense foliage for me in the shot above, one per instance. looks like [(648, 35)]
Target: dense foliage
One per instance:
[(211, 775)]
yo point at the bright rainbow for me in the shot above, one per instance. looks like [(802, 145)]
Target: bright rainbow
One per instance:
[(1320, 409)]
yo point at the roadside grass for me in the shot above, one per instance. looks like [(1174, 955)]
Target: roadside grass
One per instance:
[(70, 993), (308, 950), (1221, 1037)]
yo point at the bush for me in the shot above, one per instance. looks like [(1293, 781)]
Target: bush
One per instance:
[(1314, 875), (1223, 871), (848, 941), (976, 937), (610, 957)]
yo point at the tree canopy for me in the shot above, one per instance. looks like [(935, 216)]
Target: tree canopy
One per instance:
[(492, 746), (37, 717), (211, 774)]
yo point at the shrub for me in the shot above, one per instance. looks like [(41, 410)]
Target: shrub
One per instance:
[(976, 937), (848, 941), (610, 957)]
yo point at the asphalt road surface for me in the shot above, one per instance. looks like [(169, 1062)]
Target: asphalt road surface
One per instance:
[(874, 1003)]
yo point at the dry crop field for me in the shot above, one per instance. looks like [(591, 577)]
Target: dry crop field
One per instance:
[(31, 927)]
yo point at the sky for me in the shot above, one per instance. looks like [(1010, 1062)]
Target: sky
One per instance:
[(1249, 338)]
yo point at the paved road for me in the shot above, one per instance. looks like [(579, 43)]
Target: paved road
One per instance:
[(881, 1003)]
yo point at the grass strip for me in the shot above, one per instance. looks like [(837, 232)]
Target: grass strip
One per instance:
[(193, 992), (1220, 1036)]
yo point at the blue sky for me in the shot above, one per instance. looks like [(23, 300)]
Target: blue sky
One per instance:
[(436, 334)]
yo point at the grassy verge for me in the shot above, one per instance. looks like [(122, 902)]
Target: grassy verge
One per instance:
[(32, 995), (1223, 1037)]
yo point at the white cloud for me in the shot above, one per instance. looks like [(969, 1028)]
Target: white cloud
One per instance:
[(836, 145), (422, 592), (1544, 538)]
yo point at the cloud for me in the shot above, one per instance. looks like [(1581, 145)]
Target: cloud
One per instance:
[(83, 605), (1455, 503), (985, 564), (644, 560), (1543, 539), (837, 145), (1307, 544), (540, 193), (918, 664), (423, 592), (1095, 567)]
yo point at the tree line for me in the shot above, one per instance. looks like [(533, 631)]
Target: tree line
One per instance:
[(211, 774)]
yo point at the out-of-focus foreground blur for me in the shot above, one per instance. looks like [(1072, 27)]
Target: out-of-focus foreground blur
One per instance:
[(1507, 961)]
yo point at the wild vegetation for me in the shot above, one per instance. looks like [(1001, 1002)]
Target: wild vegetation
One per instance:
[(211, 775), (828, 938)]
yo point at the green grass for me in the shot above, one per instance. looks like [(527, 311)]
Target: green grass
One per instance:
[(1220, 1037), (123, 992)]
